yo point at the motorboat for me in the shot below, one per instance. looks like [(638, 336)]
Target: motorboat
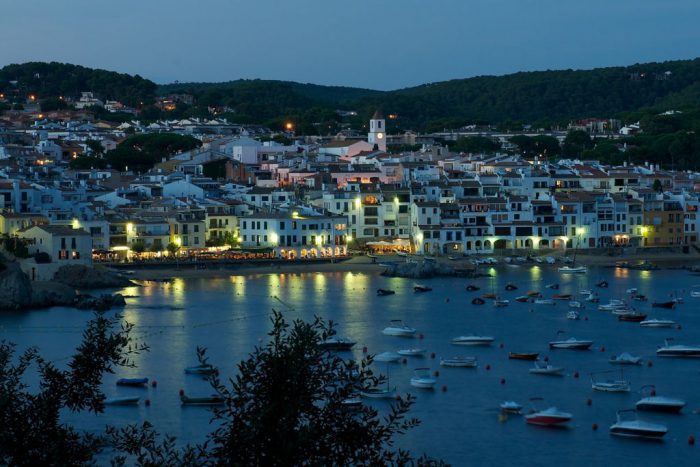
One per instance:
[(472, 288), (632, 317), (657, 323), (613, 305), (534, 294), (695, 293), (478, 301), (511, 407), (609, 385), (379, 393), (570, 343), (383, 292), (573, 269), (548, 417), (523, 299), (127, 400), (511, 287), (388, 357), (353, 402), (206, 400), (544, 368), (205, 369), (544, 301), (499, 303), (573, 315), (552, 286), (459, 362), (523, 355), (602, 284), (576, 304), (337, 343), (422, 288), (656, 403), (136, 382), (397, 328), (564, 296), (632, 291), (422, 379), (490, 296), (585, 292), (473, 340), (593, 298), (639, 297), (637, 428), (678, 350), (411, 352), (625, 359), (668, 305)]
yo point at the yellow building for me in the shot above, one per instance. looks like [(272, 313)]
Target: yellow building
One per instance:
[(664, 223)]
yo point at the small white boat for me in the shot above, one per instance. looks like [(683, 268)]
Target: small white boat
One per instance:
[(620, 385), (695, 294), (459, 362), (473, 340), (570, 343), (632, 291), (625, 359), (576, 304), (411, 352), (613, 305), (511, 407), (422, 379), (573, 315), (593, 298), (585, 292), (543, 368), (337, 343), (678, 350), (657, 323), (397, 328), (387, 357), (660, 404), (544, 301), (573, 269), (550, 259), (500, 303), (552, 286), (379, 393), (128, 400), (548, 417), (637, 428), (353, 402)]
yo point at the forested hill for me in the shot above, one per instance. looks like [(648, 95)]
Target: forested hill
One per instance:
[(543, 96)]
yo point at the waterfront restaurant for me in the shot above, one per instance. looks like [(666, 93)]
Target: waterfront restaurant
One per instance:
[(295, 236)]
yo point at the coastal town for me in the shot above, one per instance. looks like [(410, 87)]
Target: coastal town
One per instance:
[(243, 195)]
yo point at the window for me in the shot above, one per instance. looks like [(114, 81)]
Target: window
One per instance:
[(196, 228), (265, 225), (72, 243), (63, 243), (196, 240), (282, 225)]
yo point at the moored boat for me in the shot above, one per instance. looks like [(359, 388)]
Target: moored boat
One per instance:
[(397, 328), (602, 284), (523, 299), (511, 287), (573, 269), (610, 385), (625, 359), (127, 400), (632, 317), (205, 369), (667, 305), (472, 340), (548, 417), (573, 315), (511, 407), (660, 404), (678, 350), (500, 303), (637, 428), (657, 323), (459, 362), (534, 294), (575, 304), (478, 301), (422, 288), (570, 343), (472, 288), (337, 343), (387, 357), (523, 355), (544, 368), (205, 400), (422, 379), (411, 352), (137, 382), (490, 296), (544, 301)]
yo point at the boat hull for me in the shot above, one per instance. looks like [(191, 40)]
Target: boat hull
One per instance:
[(627, 432), (546, 420), (523, 356)]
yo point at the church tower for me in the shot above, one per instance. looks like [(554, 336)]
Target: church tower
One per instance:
[(377, 131)]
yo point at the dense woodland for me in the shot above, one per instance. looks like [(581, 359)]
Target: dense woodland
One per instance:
[(546, 99)]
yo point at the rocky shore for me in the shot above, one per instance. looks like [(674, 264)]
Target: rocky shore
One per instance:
[(17, 292), (428, 269)]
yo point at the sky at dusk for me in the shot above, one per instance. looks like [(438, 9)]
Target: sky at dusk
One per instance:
[(380, 44)]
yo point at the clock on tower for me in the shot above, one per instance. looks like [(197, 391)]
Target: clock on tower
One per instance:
[(377, 131)]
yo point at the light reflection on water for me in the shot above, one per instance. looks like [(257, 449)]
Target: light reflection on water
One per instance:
[(229, 315)]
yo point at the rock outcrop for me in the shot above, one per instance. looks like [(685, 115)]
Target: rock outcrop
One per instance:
[(46, 294), (83, 277), (101, 303), (15, 287)]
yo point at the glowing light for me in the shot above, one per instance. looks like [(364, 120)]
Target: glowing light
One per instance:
[(178, 241), (274, 238), (358, 202), (129, 227), (289, 126), (396, 199)]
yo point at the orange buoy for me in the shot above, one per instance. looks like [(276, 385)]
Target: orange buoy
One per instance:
[(575, 374), (437, 373), (182, 392), (447, 300), (444, 388), (147, 402), (503, 381), (594, 426), (602, 349), (488, 367), (691, 440), (650, 364), (589, 402), (154, 383)]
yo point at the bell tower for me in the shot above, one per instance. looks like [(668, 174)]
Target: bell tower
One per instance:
[(377, 131)]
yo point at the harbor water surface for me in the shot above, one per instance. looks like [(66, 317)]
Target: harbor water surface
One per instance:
[(461, 422)]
